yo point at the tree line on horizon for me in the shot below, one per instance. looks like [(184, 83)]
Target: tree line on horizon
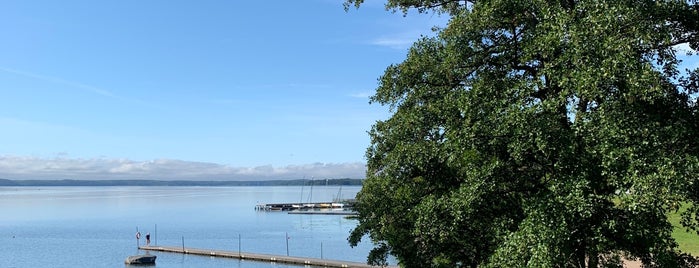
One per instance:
[(69, 182)]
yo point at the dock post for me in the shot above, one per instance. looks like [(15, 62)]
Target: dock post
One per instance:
[(183, 245), (239, 245), (321, 250), (287, 244), (156, 234)]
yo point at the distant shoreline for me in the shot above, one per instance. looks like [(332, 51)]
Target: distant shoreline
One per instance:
[(330, 182)]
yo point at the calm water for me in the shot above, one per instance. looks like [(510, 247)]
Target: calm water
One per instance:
[(96, 226)]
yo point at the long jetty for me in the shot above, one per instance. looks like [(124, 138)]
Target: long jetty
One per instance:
[(259, 257)]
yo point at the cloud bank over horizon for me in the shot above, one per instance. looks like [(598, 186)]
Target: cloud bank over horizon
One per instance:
[(37, 168)]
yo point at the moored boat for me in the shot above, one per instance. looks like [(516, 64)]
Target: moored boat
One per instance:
[(141, 259)]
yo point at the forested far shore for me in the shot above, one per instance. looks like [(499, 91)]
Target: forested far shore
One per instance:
[(299, 182)]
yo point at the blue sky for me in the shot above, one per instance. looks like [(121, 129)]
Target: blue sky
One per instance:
[(194, 90), (238, 85)]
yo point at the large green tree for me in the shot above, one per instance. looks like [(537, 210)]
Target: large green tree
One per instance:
[(536, 133)]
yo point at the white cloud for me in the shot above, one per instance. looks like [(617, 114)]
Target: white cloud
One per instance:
[(401, 34), (56, 80), (362, 95), (26, 168), (395, 42), (688, 56), (684, 48)]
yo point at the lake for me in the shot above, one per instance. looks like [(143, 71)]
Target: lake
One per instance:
[(96, 226)]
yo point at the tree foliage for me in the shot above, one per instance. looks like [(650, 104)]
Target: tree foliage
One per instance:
[(536, 133)]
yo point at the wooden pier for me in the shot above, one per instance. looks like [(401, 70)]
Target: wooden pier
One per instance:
[(304, 261), (325, 212)]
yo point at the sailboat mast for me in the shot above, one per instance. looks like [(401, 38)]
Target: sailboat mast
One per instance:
[(303, 182), (310, 195)]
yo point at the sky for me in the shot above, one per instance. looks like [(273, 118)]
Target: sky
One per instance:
[(197, 90), (225, 90)]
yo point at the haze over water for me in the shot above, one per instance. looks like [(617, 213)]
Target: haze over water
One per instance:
[(95, 226)]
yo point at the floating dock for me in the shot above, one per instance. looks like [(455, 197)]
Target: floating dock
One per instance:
[(345, 204), (259, 257)]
